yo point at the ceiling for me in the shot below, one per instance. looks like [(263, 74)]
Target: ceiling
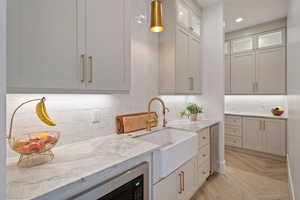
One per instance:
[(252, 11)]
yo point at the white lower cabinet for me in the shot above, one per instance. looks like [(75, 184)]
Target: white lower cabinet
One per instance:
[(187, 179), (265, 135)]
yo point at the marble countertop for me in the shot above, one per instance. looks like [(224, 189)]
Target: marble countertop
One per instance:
[(72, 164), (194, 126), (266, 115)]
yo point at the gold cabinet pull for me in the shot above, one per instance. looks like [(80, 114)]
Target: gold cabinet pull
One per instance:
[(90, 58), (183, 180), (82, 74), (256, 86), (191, 83), (180, 183)]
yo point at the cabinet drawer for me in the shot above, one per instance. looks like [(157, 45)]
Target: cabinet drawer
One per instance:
[(233, 120), (233, 141), (233, 131), (204, 154), (203, 137), (204, 170)]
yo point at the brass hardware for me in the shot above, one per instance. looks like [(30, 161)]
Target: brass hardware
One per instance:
[(260, 126), (191, 83), (204, 138), (156, 17), (204, 172), (180, 183), (256, 86), (204, 155), (183, 180), (149, 122), (91, 68), (82, 74), (264, 125), (253, 86)]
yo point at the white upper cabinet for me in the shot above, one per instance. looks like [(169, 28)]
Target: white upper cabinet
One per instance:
[(180, 50), (183, 14), (195, 24), (271, 39), (68, 46), (182, 62), (257, 63), (271, 71), (242, 45), (188, 19), (108, 44), (42, 45), (243, 73), (195, 79)]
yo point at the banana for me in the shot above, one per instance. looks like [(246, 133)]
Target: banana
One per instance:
[(42, 113)]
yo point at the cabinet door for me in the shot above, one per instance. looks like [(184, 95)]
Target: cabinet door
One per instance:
[(183, 77), (195, 65), (183, 14), (108, 44), (168, 188), (227, 74), (271, 71), (195, 24), (252, 134), (42, 46), (275, 131), (188, 172), (243, 73)]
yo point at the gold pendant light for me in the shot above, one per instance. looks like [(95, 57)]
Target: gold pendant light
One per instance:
[(156, 17)]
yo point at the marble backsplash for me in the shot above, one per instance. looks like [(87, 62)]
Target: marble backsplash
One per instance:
[(255, 104), (82, 117)]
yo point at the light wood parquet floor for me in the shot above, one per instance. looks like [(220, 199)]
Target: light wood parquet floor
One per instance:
[(247, 177)]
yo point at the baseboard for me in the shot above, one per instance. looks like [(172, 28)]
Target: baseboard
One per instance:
[(291, 185), (221, 168)]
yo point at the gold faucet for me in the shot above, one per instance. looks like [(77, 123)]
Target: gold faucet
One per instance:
[(151, 121)]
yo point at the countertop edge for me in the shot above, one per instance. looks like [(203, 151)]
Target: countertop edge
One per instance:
[(257, 115)]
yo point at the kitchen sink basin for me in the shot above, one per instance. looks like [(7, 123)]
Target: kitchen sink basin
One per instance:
[(176, 147)]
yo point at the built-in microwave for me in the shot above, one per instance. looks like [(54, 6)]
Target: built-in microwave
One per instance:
[(131, 185)]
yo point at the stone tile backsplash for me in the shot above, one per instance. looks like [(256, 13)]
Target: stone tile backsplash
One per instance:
[(255, 104)]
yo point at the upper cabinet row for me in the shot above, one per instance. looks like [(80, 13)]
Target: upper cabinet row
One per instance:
[(256, 64), (180, 49), (69, 46)]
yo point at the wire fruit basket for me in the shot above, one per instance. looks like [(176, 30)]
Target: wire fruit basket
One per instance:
[(35, 147)]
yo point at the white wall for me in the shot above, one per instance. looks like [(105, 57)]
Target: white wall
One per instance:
[(294, 94), (213, 68), (2, 96), (255, 104)]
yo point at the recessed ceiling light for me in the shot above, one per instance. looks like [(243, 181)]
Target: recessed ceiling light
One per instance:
[(239, 20)]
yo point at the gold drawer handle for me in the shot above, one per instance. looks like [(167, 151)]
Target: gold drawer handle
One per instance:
[(204, 138), (204, 173), (204, 155)]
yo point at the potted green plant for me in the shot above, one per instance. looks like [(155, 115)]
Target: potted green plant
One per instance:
[(191, 111)]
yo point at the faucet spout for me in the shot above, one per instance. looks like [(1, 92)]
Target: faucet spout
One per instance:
[(149, 122)]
